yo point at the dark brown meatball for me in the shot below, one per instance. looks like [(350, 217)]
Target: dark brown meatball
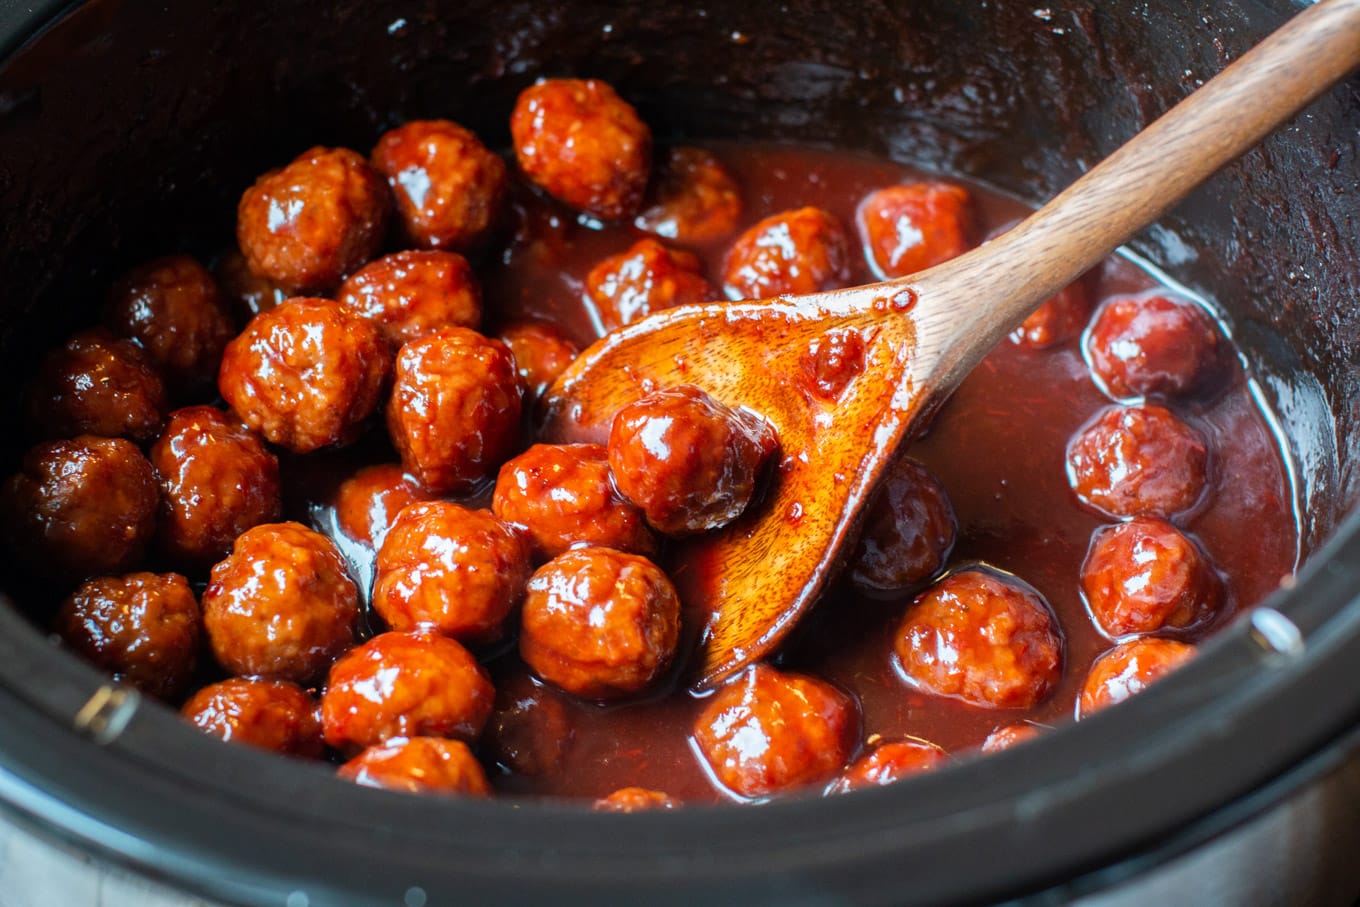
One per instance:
[(888, 763), (583, 144), (273, 715), (217, 480), (634, 800), (647, 278), (908, 531), (455, 407), (419, 765), (448, 186), (1007, 736), (1057, 320), (367, 503), (696, 200), (248, 293), (1128, 669), (541, 353), (405, 685), (1145, 575), (600, 624), (143, 628), (983, 637), (1153, 345), (909, 228), (308, 225), (767, 732), (410, 295), (800, 251), (96, 384), (81, 507), (1137, 461), (281, 605), (530, 732), (687, 460), (562, 495), (306, 374)]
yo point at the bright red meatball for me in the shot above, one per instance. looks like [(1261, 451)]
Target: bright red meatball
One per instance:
[(768, 732), (583, 144), (1128, 669), (410, 295), (143, 628), (1007, 736), (419, 765), (1153, 346), (888, 763), (306, 374), (306, 226), (367, 503), (1138, 461), (800, 251), (696, 200), (1057, 320), (541, 353), (1146, 575), (908, 531), (405, 685), (248, 293), (647, 278), (273, 715), (96, 384), (909, 228), (281, 605), (530, 732), (983, 637), (635, 800), (688, 461)]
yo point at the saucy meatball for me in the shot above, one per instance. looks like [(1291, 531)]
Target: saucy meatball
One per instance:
[(306, 226), (1060, 318), (412, 294), (910, 228), (541, 353), (367, 503), (687, 460), (1153, 345), (248, 293), (405, 685), (635, 800), (1138, 461), (281, 605), (1145, 575), (888, 763), (96, 384), (1128, 669), (696, 200), (419, 765), (143, 628), (767, 732), (647, 278), (983, 637), (1007, 736), (800, 251), (449, 187), (584, 145), (272, 715), (908, 531)]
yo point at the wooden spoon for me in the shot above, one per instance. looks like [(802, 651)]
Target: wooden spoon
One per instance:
[(920, 335)]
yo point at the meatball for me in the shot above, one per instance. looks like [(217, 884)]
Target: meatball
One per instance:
[(80, 507), (767, 732), (696, 199), (281, 605), (634, 800), (448, 186), (305, 374), (367, 503), (888, 763), (96, 384), (1059, 319), (801, 251), (405, 685), (647, 278), (1007, 736), (410, 295), (1145, 575), (541, 354), (455, 407), (583, 144), (531, 733), (217, 480), (142, 628), (273, 715), (909, 228), (445, 568), (1128, 669), (983, 637), (305, 226), (1137, 461), (687, 460), (600, 624), (908, 532), (248, 293), (1153, 345), (419, 765)]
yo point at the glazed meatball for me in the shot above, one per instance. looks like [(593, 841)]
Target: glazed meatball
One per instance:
[(367, 503), (908, 532), (217, 480), (600, 624), (419, 765), (305, 374), (248, 293), (405, 685), (80, 507), (983, 637), (1137, 461), (306, 226), (410, 295), (906, 229), (647, 278), (687, 460), (696, 199), (583, 144), (801, 251), (888, 763), (530, 734), (1145, 575), (767, 732), (448, 186), (562, 495), (1128, 669), (541, 354), (1007, 736), (96, 384), (1153, 345), (273, 715), (445, 568), (142, 628), (281, 605), (634, 800), (1057, 320)]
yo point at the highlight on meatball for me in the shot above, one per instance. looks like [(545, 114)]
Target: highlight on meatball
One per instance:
[(419, 765), (1009, 735), (541, 352), (1138, 461), (1059, 319), (1145, 575), (273, 715), (1153, 346), (412, 294), (367, 503), (647, 278), (909, 228), (95, 384), (635, 800), (801, 251), (696, 199), (1128, 669), (908, 533), (888, 763)]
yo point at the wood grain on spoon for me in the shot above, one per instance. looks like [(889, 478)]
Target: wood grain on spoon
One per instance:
[(920, 335)]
